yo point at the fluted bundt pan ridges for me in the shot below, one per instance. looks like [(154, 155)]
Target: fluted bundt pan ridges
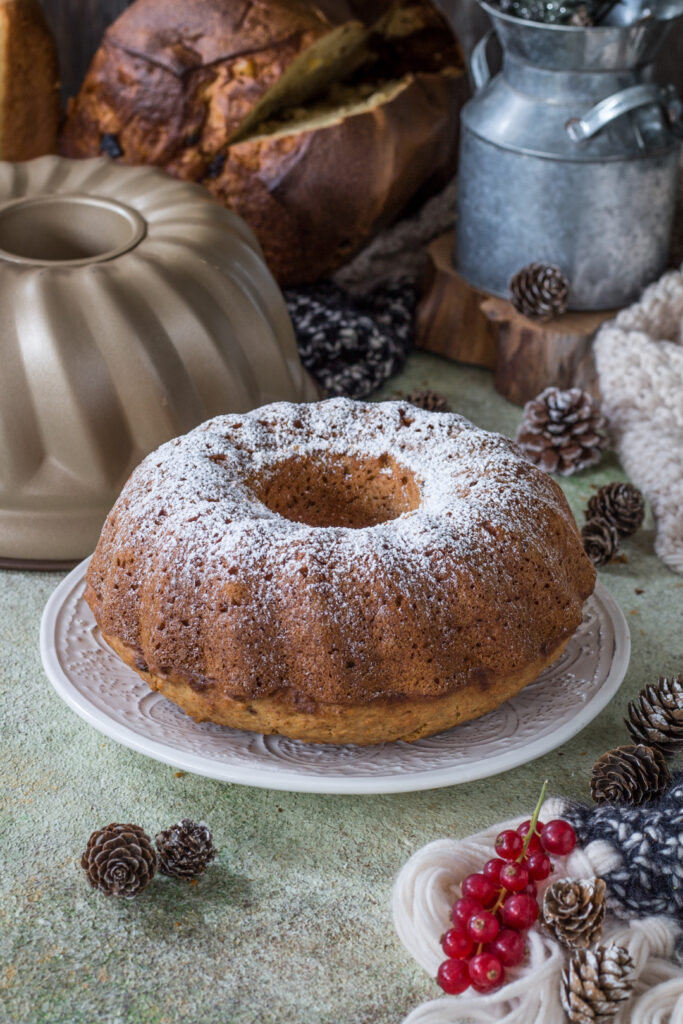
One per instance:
[(132, 307), (339, 571)]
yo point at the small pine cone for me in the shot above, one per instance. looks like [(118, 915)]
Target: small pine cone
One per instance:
[(620, 504), (581, 17), (432, 401), (539, 291), (655, 717), (561, 431), (574, 910), (120, 860), (600, 541), (595, 982), (185, 849), (629, 775)]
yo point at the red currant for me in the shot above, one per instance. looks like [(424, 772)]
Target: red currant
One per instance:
[(519, 911), (509, 844), (535, 841), (486, 972), (539, 866), (456, 943), (514, 877), (453, 976), (479, 887), (463, 909), (508, 946), (492, 868), (483, 927), (558, 837)]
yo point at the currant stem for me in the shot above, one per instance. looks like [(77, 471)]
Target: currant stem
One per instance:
[(527, 839), (532, 825)]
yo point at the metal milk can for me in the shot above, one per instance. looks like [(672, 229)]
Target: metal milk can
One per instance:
[(568, 156)]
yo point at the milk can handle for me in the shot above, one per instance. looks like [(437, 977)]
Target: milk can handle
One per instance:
[(580, 128), (479, 65)]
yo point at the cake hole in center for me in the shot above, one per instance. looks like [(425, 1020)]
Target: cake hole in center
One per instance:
[(340, 490)]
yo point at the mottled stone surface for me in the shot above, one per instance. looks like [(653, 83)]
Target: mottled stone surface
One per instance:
[(291, 925)]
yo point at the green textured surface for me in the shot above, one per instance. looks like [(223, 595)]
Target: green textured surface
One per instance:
[(292, 922)]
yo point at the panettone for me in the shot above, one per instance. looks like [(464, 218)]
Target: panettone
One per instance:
[(29, 82), (317, 123)]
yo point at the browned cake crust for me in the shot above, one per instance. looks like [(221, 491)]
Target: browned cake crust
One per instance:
[(379, 720), (29, 82), (292, 114), (339, 572)]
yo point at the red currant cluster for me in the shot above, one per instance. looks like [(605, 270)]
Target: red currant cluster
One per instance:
[(499, 904)]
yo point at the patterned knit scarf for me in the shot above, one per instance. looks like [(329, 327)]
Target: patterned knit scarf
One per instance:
[(649, 840), (352, 344)]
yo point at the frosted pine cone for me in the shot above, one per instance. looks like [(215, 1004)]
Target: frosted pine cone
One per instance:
[(574, 910), (119, 860), (629, 775), (581, 17), (655, 717), (561, 431), (600, 541), (539, 291), (595, 983), (185, 849), (620, 504), (430, 400)]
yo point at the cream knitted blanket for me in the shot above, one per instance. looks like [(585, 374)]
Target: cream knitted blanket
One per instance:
[(639, 357)]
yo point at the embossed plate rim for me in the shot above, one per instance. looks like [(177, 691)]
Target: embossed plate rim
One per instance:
[(305, 779)]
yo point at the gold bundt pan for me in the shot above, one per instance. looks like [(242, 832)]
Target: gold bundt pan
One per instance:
[(132, 308)]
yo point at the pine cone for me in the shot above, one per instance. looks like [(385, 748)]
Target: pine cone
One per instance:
[(600, 541), (185, 849), (655, 717), (629, 775), (119, 860), (430, 400), (539, 291), (595, 982), (622, 505), (560, 431), (574, 910), (581, 17)]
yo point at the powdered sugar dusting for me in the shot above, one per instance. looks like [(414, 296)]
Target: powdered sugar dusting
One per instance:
[(473, 486)]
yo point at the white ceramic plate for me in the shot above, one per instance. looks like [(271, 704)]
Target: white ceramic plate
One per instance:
[(112, 698)]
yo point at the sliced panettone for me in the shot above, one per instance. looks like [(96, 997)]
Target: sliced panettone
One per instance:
[(315, 186), (29, 82), (231, 93)]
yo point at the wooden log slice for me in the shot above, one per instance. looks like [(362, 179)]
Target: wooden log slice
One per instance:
[(460, 322), (532, 356)]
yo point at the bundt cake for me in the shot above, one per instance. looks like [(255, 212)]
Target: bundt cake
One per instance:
[(339, 571)]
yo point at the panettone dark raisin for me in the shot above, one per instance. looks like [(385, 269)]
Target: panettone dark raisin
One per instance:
[(110, 145)]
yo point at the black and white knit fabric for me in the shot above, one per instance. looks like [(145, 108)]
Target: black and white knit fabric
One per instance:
[(352, 344), (649, 839)]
